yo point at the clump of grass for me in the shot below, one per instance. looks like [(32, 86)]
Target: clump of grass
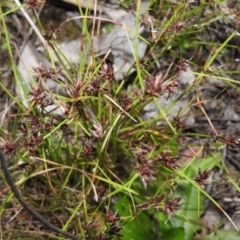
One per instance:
[(104, 169)]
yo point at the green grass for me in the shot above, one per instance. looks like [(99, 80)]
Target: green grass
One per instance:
[(103, 167)]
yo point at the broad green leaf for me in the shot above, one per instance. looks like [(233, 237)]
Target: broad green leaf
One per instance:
[(228, 234), (192, 206), (139, 227), (174, 234)]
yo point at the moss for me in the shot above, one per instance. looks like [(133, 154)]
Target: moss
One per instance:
[(52, 17)]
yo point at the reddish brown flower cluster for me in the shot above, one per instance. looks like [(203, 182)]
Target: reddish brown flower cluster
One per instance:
[(32, 4), (153, 85), (89, 149), (202, 177), (167, 160), (183, 65), (230, 141), (9, 148), (106, 73), (177, 122), (34, 128), (156, 85), (32, 142), (80, 88), (131, 8), (112, 221), (95, 86), (65, 129), (39, 97), (171, 206), (50, 35), (114, 227), (146, 168), (125, 102), (155, 202), (183, 139), (178, 27), (36, 125), (75, 90), (207, 149), (172, 86), (146, 171), (44, 73)]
